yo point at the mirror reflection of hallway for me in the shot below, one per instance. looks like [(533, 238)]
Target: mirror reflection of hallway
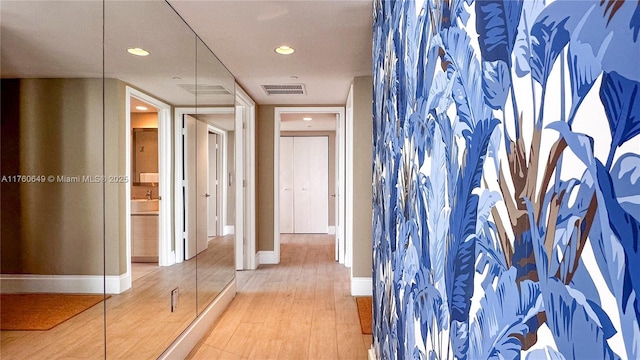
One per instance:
[(144, 150)]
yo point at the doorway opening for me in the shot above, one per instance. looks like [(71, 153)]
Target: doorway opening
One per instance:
[(205, 173), (148, 168), (328, 122)]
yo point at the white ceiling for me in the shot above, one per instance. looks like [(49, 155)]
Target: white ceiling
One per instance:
[(64, 39), (332, 40)]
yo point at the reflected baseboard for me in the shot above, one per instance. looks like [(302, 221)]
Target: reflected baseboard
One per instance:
[(371, 353), (361, 286), (331, 230), (266, 257), (81, 284), (229, 230)]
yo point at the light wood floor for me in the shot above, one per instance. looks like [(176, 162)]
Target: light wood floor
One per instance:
[(299, 309), (138, 323)]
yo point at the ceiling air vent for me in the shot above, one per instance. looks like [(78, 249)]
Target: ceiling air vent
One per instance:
[(286, 89), (202, 90)]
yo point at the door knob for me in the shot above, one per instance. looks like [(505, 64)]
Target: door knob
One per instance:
[(206, 195)]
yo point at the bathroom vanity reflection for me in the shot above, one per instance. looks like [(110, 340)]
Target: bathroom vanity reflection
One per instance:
[(67, 63), (144, 231)]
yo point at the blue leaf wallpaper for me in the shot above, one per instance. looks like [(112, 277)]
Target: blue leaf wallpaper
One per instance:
[(506, 179)]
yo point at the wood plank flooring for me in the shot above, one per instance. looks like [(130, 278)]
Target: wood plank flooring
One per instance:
[(298, 309), (139, 323)]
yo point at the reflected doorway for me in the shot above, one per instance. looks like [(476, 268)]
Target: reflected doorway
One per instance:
[(325, 121), (148, 165), (205, 186)]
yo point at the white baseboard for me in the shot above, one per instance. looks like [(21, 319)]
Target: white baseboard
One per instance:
[(199, 328), (266, 257), (331, 230), (372, 353), (229, 230), (361, 286), (80, 284)]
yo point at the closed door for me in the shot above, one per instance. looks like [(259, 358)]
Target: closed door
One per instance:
[(202, 186), (306, 172), (213, 184), (196, 176), (286, 185)]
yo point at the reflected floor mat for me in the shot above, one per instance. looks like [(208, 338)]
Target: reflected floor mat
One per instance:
[(28, 312)]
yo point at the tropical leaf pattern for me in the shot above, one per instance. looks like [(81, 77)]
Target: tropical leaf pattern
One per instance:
[(506, 179)]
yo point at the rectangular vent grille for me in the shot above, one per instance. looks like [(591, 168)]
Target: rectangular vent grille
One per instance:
[(286, 89), (203, 90)]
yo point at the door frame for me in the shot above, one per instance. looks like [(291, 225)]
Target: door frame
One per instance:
[(221, 195), (340, 113), (246, 119), (347, 162), (165, 182), (179, 112)]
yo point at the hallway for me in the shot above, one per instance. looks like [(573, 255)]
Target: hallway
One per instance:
[(299, 309)]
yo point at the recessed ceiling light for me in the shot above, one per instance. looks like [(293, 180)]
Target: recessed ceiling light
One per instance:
[(284, 50), (137, 51), (141, 108), (307, 119)]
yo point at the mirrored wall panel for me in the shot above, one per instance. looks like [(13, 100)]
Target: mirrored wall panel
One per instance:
[(150, 57), (215, 179), (53, 213), (105, 203)]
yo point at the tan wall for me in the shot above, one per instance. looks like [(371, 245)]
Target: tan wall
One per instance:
[(56, 227), (362, 177), (264, 177)]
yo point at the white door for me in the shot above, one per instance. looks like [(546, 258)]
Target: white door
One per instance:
[(196, 176), (213, 185), (202, 186), (311, 184), (286, 185)]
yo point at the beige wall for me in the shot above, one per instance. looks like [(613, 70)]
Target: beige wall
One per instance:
[(264, 177), (362, 177), (56, 128)]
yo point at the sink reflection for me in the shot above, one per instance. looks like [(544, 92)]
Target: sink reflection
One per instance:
[(144, 205)]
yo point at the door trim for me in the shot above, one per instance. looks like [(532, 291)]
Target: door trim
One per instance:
[(223, 178), (246, 255), (278, 111)]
